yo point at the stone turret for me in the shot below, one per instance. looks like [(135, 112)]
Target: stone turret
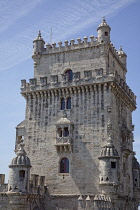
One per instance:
[(19, 172), (38, 44), (122, 56), (109, 164), (104, 32)]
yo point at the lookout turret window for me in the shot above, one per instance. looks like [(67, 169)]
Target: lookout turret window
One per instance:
[(113, 164), (106, 33), (22, 174)]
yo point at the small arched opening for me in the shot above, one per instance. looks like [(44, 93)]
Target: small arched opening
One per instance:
[(62, 103), (106, 33), (64, 165), (69, 75), (68, 104)]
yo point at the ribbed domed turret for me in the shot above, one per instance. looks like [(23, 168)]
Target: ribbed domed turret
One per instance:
[(122, 56), (109, 163), (104, 32), (39, 37), (38, 44), (109, 149), (21, 158), (19, 171), (103, 24), (121, 52)]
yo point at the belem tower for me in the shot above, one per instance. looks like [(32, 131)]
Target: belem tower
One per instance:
[(74, 150)]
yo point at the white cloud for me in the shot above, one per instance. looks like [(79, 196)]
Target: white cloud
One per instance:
[(66, 21)]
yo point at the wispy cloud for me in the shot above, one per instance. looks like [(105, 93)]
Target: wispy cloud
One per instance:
[(10, 11), (66, 21)]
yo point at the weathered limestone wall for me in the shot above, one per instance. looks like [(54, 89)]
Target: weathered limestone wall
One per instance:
[(89, 116), (123, 139), (78, 61)]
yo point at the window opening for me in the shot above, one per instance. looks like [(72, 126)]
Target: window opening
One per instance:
[(66, 132), (124, 169), (64, 165), (60, 132), (68, 105), (19, 138), (22, 174), (62, 103), (107, 179), (113, 164), (106, 33), (70, 75)]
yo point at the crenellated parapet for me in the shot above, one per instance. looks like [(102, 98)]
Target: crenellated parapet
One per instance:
[(69, 45), (124, 86), (61, 81), (118, 55)]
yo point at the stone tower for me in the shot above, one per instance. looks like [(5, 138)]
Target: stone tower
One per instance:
[(19, 173), (78, 130)]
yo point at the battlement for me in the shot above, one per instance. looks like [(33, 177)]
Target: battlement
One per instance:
[(124, 86), (117, 55), (73, 45), (37, 184), (3, 185), (69, 45), (57, 82)]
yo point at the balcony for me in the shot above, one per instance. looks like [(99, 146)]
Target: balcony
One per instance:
[(63, 144)]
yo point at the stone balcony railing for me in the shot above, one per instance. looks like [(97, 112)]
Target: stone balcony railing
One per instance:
[(63, 144), (63, 140)]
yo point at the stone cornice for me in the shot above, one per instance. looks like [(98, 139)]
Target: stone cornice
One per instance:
[(119, 91), (81, 86)]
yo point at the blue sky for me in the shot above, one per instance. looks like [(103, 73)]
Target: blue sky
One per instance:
[(20, 22)]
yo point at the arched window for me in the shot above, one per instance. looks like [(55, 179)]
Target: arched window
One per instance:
[(65, 132), (64, 165), (68, 104), (22, 174), (70, 75), (62, 103)]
